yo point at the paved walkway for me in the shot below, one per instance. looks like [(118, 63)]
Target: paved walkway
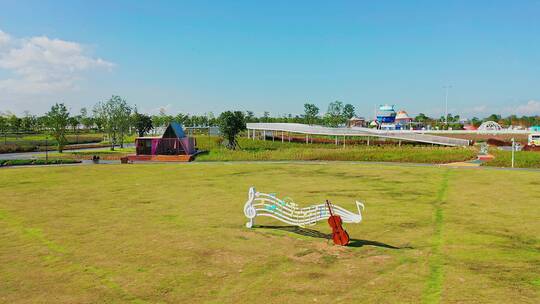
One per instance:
[(32, 155), (307, 162)]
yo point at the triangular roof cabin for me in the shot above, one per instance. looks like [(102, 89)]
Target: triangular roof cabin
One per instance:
[(174, 130), (173, 142)]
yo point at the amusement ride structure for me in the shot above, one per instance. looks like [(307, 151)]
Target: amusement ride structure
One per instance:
[(489, 126)]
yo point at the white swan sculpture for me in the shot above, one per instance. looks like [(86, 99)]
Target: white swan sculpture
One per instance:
[(262, 204)]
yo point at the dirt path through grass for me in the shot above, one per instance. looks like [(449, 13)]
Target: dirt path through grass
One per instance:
[(432, 291)]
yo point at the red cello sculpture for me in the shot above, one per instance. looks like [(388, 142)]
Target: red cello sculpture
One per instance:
[(339, 235)]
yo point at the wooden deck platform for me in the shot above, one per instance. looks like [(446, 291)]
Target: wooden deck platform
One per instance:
[(161, 158)]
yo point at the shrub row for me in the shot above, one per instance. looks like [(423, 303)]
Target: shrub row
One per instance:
[(29, 162)]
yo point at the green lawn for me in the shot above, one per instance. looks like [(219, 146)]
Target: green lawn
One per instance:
[(522, 159), (174, 233)]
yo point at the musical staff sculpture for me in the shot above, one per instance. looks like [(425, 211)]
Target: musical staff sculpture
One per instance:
[(262, 204)]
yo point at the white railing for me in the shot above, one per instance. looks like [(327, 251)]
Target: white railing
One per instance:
[(490, 132)]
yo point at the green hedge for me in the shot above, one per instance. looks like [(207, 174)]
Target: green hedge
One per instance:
[(29, 162)]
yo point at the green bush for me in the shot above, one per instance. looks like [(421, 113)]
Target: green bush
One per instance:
[(13, 148), (29, 162)]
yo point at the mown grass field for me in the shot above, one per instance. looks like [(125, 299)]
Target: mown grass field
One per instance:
[(175, 234)]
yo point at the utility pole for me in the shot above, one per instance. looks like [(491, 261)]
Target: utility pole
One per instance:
[(446, 104)]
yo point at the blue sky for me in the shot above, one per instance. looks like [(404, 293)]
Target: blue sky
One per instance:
[(210, 56)]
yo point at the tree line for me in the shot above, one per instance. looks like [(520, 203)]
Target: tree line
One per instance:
[(455, 122), (116, 118)]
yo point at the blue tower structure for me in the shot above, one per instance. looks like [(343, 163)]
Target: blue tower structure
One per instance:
[(386, 114)]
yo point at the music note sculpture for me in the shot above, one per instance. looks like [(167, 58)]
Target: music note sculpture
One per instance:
[(285, 210)]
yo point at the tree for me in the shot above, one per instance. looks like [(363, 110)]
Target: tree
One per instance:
[(114, 115), (41, 123), (123, 117), (334, 116), (493, 117), (162, 119), (28, 122), (348, 111), (182, 118), (230, 125), (157, 121), (98, 116), (250, 116), (102, 118), (266, 116), (57, 121), (212, 120), (86, 120), (73, 122), (14, 123), (142, 123), (422, 118), (311, 112), (475, 121), (3, 126)]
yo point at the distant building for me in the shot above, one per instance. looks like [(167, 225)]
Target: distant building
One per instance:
[(356, 122), (173, 145), (403, 120), (386, 117), (470, 128), (386, 114)]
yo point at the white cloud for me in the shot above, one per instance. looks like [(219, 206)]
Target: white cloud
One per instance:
[(4, 38), (167, 109), (41, 65), (479, 109), (532, 107)]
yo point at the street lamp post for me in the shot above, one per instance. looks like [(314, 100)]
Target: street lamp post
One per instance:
[(46, 150), (513, 151), (446, 104)]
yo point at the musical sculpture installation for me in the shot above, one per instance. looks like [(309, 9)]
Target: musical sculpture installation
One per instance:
[(339, 235), (285, 210)]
